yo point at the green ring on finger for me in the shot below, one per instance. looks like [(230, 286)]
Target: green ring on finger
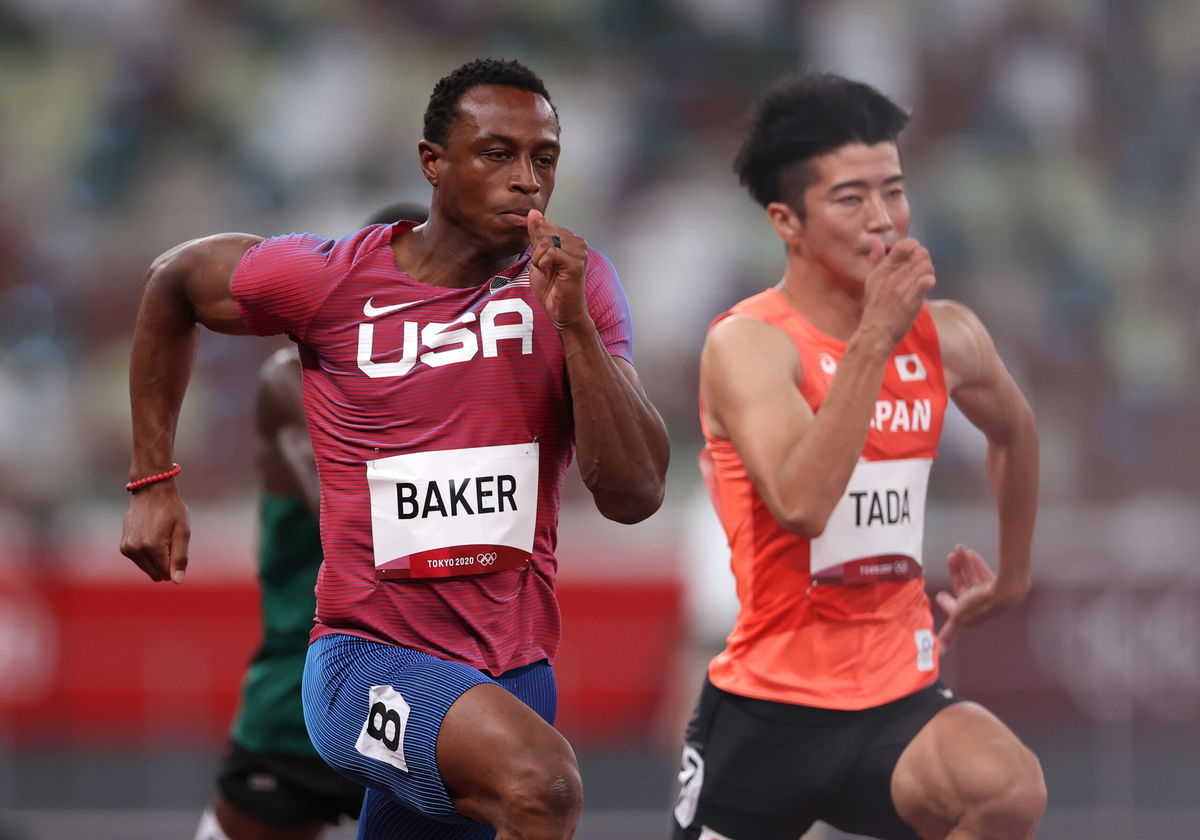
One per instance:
[(557, 240)]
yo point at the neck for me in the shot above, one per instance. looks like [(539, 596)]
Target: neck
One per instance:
[(439, 254), (832, 306)]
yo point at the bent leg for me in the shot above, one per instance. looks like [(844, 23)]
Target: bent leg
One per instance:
[(504, 765), (966, 776)]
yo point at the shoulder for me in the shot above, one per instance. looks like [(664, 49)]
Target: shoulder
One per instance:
[(600, 268), (282, 365), (952, 315), (279, 395), (744, 340), (966, 347), (314, 251), (206, 253)]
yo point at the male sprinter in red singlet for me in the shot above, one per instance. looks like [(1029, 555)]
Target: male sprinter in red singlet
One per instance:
[(821, 405), (450, 370), (272, 784)]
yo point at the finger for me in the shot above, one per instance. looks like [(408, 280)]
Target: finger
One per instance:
[(180, 539), (903, 250), (947, 602), (141, 555), (976, 568), (948, 633), (145, 562), (954, 562), (878, 250)]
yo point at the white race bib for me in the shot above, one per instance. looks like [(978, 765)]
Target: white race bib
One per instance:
[(877, 530), (454, 512)]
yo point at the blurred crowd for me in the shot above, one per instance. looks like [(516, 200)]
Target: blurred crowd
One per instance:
[(1053, 166)]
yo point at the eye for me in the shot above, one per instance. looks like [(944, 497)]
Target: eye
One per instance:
[(850, 200), (898, 192), (496, 154), (544, 160)]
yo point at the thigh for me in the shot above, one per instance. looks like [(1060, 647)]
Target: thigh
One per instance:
[(374, 712), (497, 744), (881, 736), (748, 771), (383, 816), (964, 756)]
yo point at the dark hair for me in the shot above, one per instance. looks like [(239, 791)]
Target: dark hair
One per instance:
[(802, 117), (443, 102), (410, 211)]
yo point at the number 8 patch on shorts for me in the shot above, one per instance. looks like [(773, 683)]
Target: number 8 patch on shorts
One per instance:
[(382, 736)]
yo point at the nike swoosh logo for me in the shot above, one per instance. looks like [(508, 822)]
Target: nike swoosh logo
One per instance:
[(375, 311)]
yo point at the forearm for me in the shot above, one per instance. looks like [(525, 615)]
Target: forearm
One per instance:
[(164, 349), (812, 478), (1012, 466), (621, 442)]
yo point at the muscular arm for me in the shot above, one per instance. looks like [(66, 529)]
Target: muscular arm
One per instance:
[(287, 463), (983, 389), (621, 442), (799, 462), (186, 286)]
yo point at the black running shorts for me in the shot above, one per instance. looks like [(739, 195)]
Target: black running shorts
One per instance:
[(759, 770), (286, 790)]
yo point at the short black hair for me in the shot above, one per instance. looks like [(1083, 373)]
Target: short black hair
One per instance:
[(408, 211), (443, 102), (802, 117)]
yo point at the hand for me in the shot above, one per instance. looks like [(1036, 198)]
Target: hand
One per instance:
[(974, 599), (156, 532), (896, 286), (556, 272)]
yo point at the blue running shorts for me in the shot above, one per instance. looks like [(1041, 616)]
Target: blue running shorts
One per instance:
[(374, 711)]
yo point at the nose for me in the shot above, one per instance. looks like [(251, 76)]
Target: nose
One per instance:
[(524, 176), (879, 220)]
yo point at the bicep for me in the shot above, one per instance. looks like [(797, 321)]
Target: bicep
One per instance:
[(979, 383), (203, 270), (749, 373)]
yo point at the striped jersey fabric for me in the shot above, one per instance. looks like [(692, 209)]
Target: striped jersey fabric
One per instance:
[(393, 367)]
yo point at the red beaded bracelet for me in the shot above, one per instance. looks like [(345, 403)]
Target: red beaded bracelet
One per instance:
[(151, 479)]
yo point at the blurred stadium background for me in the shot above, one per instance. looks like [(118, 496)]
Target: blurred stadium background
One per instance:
[(1054, 169)]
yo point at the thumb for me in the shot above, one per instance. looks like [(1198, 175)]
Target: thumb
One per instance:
[(533, 220), (179, 552), (878, 250)]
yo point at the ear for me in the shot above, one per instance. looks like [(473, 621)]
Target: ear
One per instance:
[(430, 155), (785, 220)]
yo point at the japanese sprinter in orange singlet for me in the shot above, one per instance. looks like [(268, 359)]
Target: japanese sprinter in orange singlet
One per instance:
[(821, 404)]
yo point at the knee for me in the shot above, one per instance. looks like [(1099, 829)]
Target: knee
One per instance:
[(1016, 800), (548, 792)]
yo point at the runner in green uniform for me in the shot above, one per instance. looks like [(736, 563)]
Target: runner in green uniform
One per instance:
[(273, 785)]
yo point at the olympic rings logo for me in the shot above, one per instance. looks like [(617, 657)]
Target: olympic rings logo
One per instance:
[(486, 559)]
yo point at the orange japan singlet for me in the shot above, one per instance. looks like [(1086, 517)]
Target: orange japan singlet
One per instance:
[(840, 621)]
